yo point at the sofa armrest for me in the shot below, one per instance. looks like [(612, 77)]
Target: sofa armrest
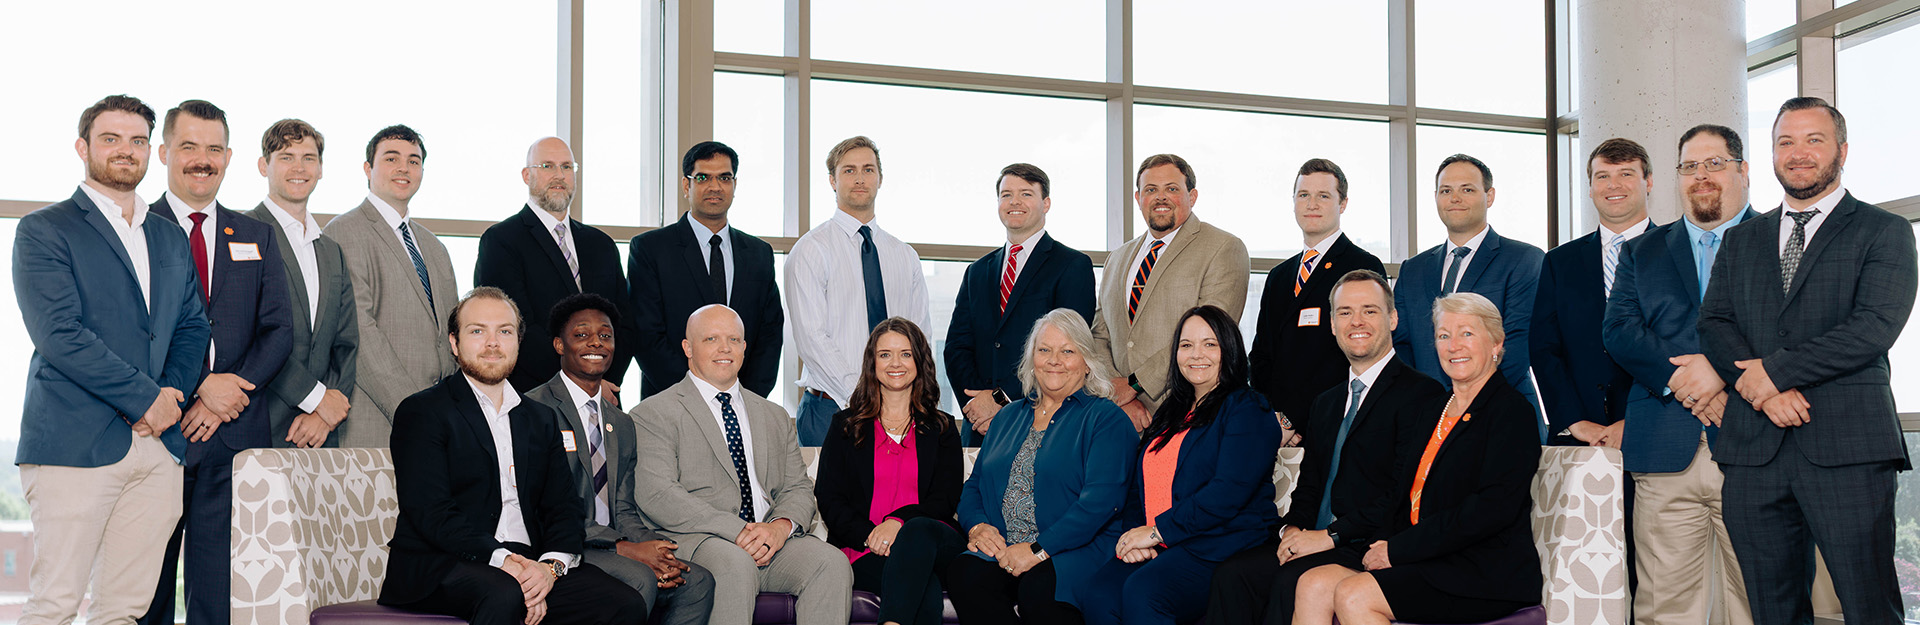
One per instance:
[(310, 529), (1579, 526)]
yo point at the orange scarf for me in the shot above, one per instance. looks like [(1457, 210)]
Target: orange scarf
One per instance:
[(1440, 433)]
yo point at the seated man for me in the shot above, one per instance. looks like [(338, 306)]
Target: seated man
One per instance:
[(719, 472), (517, 513), (598, 439)]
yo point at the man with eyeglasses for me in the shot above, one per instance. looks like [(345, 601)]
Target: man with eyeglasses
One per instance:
[(697, 261), (540, 256)]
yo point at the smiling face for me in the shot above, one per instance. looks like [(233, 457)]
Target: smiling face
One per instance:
[(1463, 198), (1468, 352), (1059, 368), (1022, 210), (550, 175), (856, 179), (586, 350), (1317, 204), (196, 156), (1619, 191), (1807, 153), (1164, 199), (893, 362), (487, 341), (116, 150), (395, 174), (1363, 322), (1198, 352), (715, 344), (1712, 197), (292, 172)]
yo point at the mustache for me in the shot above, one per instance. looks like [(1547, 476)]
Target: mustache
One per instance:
[(201, 169)]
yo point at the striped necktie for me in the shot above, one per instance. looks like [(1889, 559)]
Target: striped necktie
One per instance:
[(1006, 278), (1140, 279), (1306, 270), (573, 264), (1611, 261), (597, 450)]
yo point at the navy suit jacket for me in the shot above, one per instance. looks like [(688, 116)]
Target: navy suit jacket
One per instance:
[(100, 353), (1506, 271), (251, 316), (519, 256), (1223, 487), (1293, 364), (983, 345), (1579, 380), (668, 280)]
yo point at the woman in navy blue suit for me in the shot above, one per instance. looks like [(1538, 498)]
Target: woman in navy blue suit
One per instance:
[(1202, 485)]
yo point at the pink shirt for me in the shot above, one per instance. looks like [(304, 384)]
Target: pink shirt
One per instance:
[(896, 478)]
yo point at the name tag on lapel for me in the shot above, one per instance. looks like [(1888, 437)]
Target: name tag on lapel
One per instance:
[(243, 251), (566, 440), (1309, 317)]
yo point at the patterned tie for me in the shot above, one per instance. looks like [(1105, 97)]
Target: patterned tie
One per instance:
[(1611, 261), (573, 264), (717, 268), (870, 275), (594, 441), (1709, 246), (1790, 258), (419, 265), (1339, 441), (1006, 278), (200, 253), (1140, 279), (1453, 273), (738, 450), (1306, 270)]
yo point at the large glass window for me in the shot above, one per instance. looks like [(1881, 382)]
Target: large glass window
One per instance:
[(1880, 113), (1764, 17), (1765, 91), (1327, 51), (1056, 39), (1481, 56), (1519, 164), (622, 78), (751, 26), (748, 117), (1905, 361)]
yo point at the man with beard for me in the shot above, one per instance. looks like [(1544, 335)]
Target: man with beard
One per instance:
[(1799, 328), (99, 454), (245, 288), (541, 255), (844, 277), (1675, 401)]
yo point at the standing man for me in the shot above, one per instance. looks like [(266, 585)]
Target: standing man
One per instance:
[(244, 285), (1679, 535), (1799, 327), (845, 276), (403, 288), (1149, 282), (540, 255), (1004, 293), (99, 452), (309, 398), (1295, 356), (697, 261)]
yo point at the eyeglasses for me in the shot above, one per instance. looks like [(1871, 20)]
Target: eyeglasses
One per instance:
[(703, 178), (549, 167), (1713, 164)]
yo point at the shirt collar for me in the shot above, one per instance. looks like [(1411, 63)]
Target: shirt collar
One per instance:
[(1326, 244), (701, 234), (579, 395), (1372, 373), (309, 230), (1473, 243), (1826, 204), (707, 391), (387, 212), (508, 399), (1720, 231), (1031, 240), (175, 201), (1632, 232), (546, 219), (112, 210), (852, 225)]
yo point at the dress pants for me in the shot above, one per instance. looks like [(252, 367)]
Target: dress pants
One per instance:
[(204, 535), (1254, 587), (815, 573), (816, 414), (984, 594), (484, 595), (908, 578), (1171, 588), (107, 525), (690, 603), (1681, 540)]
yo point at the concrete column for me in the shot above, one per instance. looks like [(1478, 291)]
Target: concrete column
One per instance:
[(1649, 70)]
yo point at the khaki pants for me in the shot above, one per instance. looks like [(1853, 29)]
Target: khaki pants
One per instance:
[(1685, 560), (108, 525)]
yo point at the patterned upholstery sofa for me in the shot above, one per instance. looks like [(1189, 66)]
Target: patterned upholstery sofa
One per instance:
[(310, 529)]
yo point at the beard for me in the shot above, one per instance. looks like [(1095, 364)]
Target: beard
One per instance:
[(485, 373), (114, 178), (1823, 179), (1705, 209), (555, 200)]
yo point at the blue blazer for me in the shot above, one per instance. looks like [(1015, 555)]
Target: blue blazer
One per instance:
[(100, 353), (1506, 271), (1080, 478), (1578, 378), (251, 315), (983, 346), (1223, 486)]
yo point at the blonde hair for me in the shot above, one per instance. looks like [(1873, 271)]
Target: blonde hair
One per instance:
[(1099, 380), (1476, 305)]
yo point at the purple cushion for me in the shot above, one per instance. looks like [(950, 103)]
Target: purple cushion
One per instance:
[(371, 613), (774, 608)]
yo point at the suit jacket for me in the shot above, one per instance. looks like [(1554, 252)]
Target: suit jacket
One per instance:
[(324, 344), (447, 478), (1506, 271), (619, 450), (1579, 380), (845, 487), (1223, 487), (1827, 336), (1293, 364), (519, 256), (1654, 315), (1203, 265), (684, 476), (1383, 444), (250, 315), (984, 345), (403, 335), (101, 351), (668, 281)]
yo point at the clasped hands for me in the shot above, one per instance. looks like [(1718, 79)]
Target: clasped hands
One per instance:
[(220, 399), (1137, 545), (762, 540), (1016, 559), (657, 555), (1296, 542), (535, 580)]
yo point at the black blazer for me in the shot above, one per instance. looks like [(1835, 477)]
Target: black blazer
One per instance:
[(1475, 537), (1292, 364), (1828, 336), (518, 256), (1383, 443), (1579, 380), (983, 346), (845, 485), (448, 482), (669, 281)]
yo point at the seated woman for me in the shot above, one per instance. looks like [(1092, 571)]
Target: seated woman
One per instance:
[(1462, 547), (1050, 476), (1203, 490), (890, 471)]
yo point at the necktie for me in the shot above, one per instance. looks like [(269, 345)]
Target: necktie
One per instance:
[(594, 450), (1306, 270), (870, 273), (1611, 261), (1709, 246), (200, 253), (1140, 278), (717, 268), (1453, 272), (1006, 278), (1790, 258), (573, 264), (1339, 441), (738, 450), (419, 265)]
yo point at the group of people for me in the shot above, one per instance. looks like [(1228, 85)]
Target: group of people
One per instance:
[(1127, 435)]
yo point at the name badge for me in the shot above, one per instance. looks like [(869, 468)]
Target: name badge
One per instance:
[(566, 440), (1309, 317), (243, 251)]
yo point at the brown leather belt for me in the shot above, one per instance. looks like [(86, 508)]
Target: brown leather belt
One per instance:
[(817, 393)]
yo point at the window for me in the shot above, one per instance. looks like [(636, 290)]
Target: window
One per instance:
[(1481, 56), (748, 117), (1764, 17), (1057, 39), (1879, 113), (1519, 164), (619, 113), (13, 331), (1766, 89), (750, 26), (1325, 51), (1905, 360)]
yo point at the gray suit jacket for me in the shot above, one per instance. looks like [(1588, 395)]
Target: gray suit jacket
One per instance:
[(403, 337), (618, 439), (1203, 265), (684, 475), (324, 345)]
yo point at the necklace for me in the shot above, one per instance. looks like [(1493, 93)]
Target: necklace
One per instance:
[(896, 431)]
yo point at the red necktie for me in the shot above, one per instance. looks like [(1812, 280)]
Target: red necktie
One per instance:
[(1006, 279), (200, 252)]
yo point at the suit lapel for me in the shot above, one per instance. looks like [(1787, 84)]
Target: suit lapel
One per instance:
[(390, 241), (543, 239), (1195, 229), (1591, 288), (558, 395), (765, 461), (696, 265), (222, 242), (97, 217), (1042, 252), (1373, 399), (1482, 259), (1832, 228), (702, 416), (1680, 251), (296, 278), (468, 407)]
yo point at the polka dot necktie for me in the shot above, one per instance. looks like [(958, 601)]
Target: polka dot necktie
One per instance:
[(737, 449)]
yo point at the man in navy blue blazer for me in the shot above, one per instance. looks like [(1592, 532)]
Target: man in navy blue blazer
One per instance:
[(109, 300), (1004, 293), (244, 285), (1473, 259)]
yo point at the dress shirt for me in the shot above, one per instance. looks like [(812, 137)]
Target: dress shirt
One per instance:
[(700, 236), (300, 236), (394, 219), (581, 399), (761, 502), (1719, 233), (513, 527), (1632, 232), (1320, 250), (826, 302), (1446, 256), (549, 221), (1365, 377), (133, 236), (1020, 260), (1147, 246), (208, 236), (1826, 206)]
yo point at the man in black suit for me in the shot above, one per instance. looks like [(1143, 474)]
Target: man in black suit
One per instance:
[(1360, 438), (1294, 356), (244, 285), (1004, 293), (1802, 306), (697, 261), (540, 255), (490, 527)]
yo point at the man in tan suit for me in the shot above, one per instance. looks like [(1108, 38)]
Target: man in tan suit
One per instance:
[(1149, 282), (403, 289)]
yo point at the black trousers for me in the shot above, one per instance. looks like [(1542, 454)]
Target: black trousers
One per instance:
[(206, 520), (1253, 587), (484, 595), (908, 579), (983, 593)]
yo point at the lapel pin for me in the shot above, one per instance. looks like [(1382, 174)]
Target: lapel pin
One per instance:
[(609, 427), (229, 231), (1329, 265)]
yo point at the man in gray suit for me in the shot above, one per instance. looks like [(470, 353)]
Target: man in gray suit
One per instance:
[(719, 472), (308, 399), (601, 453), (403, 288)]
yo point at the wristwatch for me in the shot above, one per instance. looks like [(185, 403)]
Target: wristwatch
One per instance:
[(1333, 536), (554, 565), (1000, 397), (1038, 551)]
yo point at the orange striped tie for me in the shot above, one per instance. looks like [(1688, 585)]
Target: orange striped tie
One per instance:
[(1140, 279), (1306, 269)]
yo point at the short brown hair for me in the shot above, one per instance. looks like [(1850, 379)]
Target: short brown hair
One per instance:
[(1165, 159), (842, 148), (1323, 166), (1620, 151), (397, 132), (200, 109), (1810, 102), (1363, 275), (122, 103), (286, 132), (485, 292), (1028, 173)]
